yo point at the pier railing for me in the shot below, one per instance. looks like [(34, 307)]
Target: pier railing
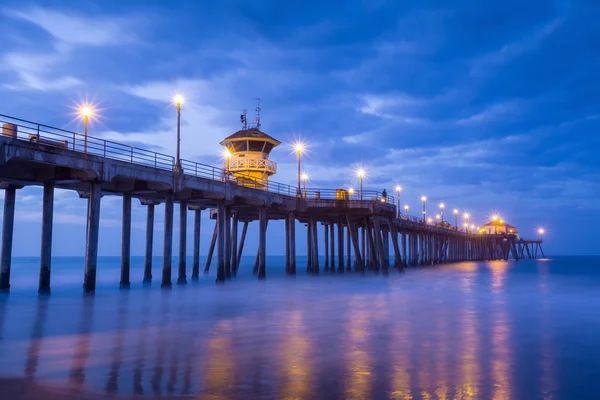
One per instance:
[(17, 128)]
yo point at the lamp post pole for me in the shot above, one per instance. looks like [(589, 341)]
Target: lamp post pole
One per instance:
[(398, 190), (86, 120), (178, 161), (299, 152), (456, 219), (424, 200)]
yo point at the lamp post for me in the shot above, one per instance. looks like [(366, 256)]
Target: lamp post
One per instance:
[(429, 221), (442, 207), (466, 217), (466, 225), (438, 217), (406, 210), (495, 221), (398, 190), (361, 174), (178, 100), (424, 201), (541, 231), (455, 218), (86, 113), (351, 192), (227, 155), (304, 179), (299, 147)]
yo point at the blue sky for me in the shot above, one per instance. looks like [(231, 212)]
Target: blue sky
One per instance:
[(487, 106)]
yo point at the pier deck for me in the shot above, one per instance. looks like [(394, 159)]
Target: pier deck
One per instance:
[(35, 154)]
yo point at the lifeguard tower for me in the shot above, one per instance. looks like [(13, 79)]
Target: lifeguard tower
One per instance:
[(248, 154)]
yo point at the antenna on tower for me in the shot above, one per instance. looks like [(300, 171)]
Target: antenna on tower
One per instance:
[(257, 117), (244, 120)]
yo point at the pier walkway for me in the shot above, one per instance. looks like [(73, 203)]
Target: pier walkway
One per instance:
[(357, 232)]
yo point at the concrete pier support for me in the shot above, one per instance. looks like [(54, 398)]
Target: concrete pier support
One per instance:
[(126, 243), (168, 242), (8, 224), (234, 241), (46, 250), (326, 239), (221, 217), (262, 243), (340, 245), (292, 242), (182, 273), (353, 233), (91, 246), (314, 245), (332, 246), (196, 258), (211, 248), (241, 246), (348, 249), (149, 243), (227, 254)]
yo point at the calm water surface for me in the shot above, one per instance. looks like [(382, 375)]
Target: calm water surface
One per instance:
[(494, 330)]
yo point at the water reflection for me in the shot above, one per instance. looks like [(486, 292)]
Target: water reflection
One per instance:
[(82, 344), (463, 332), (295, 367), (37, 337)]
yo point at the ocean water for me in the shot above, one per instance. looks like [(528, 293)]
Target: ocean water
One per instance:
[(473, 330)]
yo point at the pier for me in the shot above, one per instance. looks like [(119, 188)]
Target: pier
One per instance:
[(361, 231)]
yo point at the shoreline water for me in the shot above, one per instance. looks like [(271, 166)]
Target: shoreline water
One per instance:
[(522, 329)]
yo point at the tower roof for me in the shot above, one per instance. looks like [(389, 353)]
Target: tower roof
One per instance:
[(250, 133)]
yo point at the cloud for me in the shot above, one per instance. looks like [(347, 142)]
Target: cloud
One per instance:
[(37, 71), (485, 64), (78, 29)]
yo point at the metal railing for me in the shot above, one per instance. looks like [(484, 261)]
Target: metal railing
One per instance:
[(343, 194), (192, 168), (45, 135), (252, 163)]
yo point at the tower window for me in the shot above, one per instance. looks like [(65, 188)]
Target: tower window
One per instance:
[(255, 145)]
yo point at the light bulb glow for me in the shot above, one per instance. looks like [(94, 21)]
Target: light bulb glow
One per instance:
[(299, 147), (442, 206), (466, 216), (398, 188), (360, 172), (86, 111), (178, 99), (423, 199), (455, 211), (304, 177), (351, 191)]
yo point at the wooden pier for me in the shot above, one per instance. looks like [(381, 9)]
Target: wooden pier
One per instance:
[(357, 232)]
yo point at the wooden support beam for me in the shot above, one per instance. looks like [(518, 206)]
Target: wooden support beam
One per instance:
[(353, 233)]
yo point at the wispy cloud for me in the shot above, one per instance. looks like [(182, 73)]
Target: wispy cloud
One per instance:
[(79, 29), (485, 64)]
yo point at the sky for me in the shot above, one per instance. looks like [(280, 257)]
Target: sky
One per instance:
[(489, 107)]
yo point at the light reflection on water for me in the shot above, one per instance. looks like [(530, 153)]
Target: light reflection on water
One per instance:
[(465, 331)]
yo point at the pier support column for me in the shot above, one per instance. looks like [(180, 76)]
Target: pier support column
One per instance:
[(227, 242), (168, 242), (46, 251), (8, 224), (182, 273), (196, 259), (233, 246), (309, 247), (287, 245), (353, 233), (91, 246), (340, 245), (332, 246), (262, 243), (126, 243), (348, 249), (315, 245), (292, 219), (211, 248), (149, 243), (326, 239), (241, 246), (221, 217)]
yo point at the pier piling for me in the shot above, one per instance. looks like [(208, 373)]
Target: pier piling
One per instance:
[(182, 273), (91, 247), (46, 245), (149, 243), (168, 242), (126, 242)]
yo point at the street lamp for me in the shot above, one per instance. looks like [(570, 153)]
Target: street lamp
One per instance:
[(466, 227), (361, 174), (299, 147), (438, 217), (455, 218), (86, 113), (178, 100), (406, 210), (429, 221), (227, 155), (495, 221), (398, 190), (424, 201), (304, 179), (351, 192), (442, 207), (541, 231), (466, 217)]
